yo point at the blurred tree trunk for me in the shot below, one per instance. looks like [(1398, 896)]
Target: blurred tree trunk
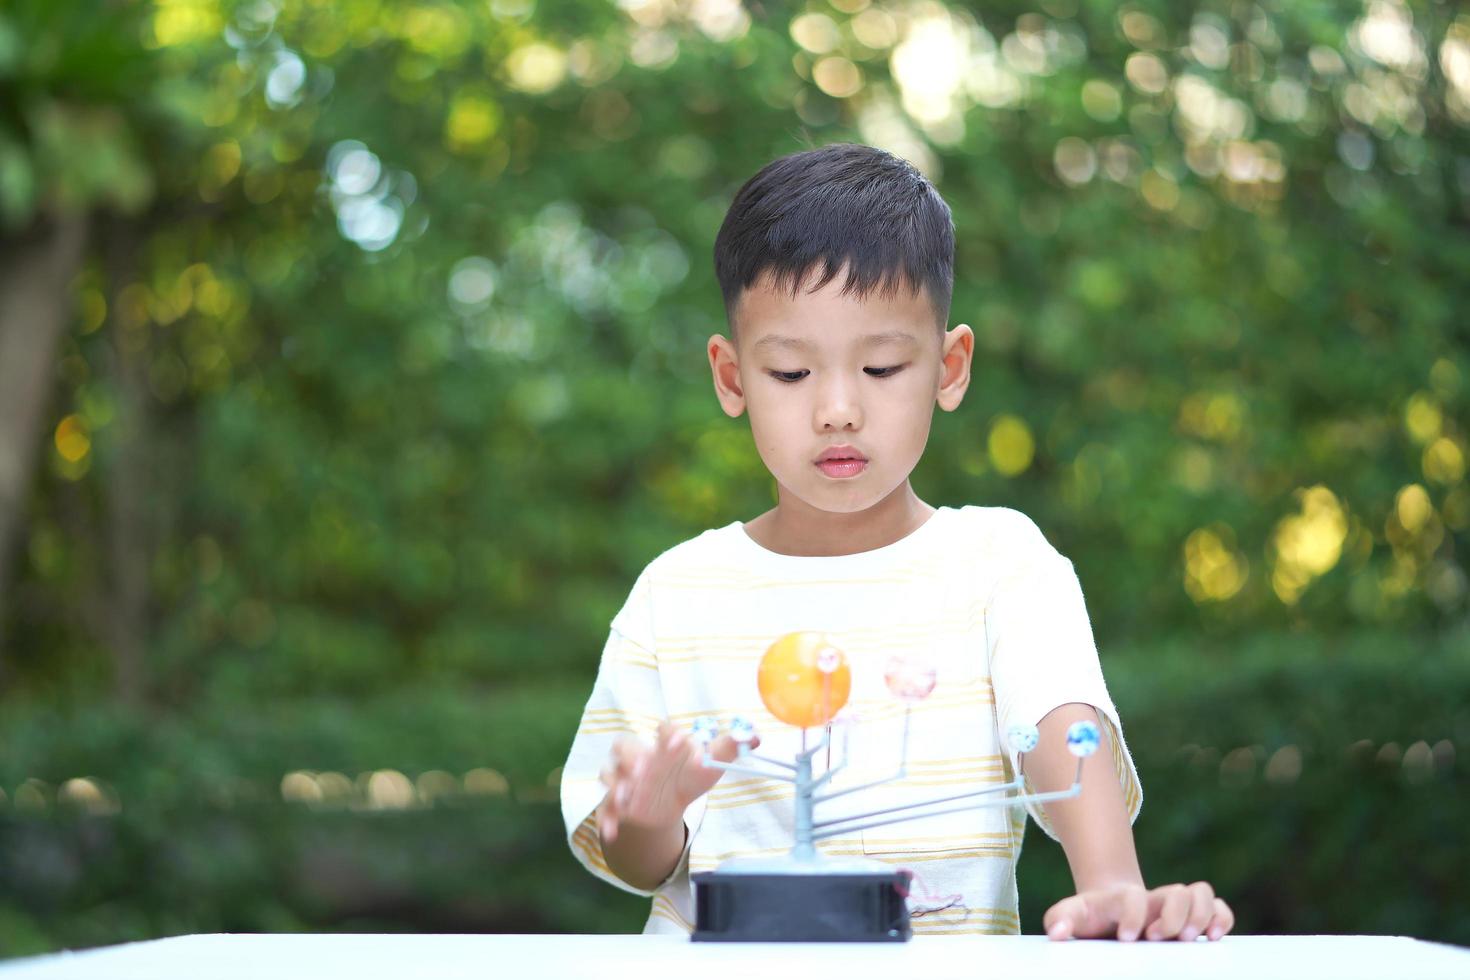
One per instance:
[(36, 269), (129, 539)]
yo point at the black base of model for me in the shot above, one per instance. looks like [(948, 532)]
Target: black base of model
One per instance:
[(801, 908)]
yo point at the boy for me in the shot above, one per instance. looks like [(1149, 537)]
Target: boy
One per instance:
[(836, 266)]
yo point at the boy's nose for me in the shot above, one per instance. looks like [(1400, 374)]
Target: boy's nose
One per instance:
[(838, 410)]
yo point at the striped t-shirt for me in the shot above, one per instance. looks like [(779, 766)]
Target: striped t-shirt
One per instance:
[(977, 591)]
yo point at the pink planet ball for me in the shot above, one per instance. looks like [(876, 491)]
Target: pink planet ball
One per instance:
[(910, 678)]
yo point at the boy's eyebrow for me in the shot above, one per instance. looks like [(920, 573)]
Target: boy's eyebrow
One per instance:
[(872, 339)]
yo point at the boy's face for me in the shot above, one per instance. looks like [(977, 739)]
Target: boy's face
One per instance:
[(824, 370)]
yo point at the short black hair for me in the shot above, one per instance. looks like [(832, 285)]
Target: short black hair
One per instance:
[(843, 203)]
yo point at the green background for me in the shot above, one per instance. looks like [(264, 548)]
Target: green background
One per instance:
[(379, 373)]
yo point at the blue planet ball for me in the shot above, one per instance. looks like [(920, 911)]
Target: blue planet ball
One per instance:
[(1083, 738)]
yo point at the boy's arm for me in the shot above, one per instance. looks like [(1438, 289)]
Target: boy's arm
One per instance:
[(644, 857), (1093, 827), (1095, 833)]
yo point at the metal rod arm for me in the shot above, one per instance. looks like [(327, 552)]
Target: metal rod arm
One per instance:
[(1016, 784), (1063, 794), (746, 770)]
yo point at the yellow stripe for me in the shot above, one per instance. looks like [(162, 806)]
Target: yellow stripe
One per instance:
[(869, 711), (997, 779), (765, 788), (660, 913), (988, 760), (590, 846), (914, 576), (747, 852), (879, 637), (944, 838), (771, 797), (999, 928), (901, 858), (619, 713), (664, 903), (609, 729), (961, 914), (723, 788)]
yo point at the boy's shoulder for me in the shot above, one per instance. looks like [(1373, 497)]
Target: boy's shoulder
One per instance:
[(1003, 526), (714, 546)]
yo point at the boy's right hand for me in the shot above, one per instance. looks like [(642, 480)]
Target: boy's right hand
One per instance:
[(652, 786)]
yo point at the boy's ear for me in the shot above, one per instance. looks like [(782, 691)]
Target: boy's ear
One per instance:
[(724, 364), (958, 346)]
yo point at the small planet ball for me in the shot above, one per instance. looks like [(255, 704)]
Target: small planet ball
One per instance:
[(910, 678), (804, 680), (1023, 738), (706, 729), (741, 730)]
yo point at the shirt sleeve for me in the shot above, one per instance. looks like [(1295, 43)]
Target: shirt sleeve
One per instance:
[(626, 700), (1043, 655)]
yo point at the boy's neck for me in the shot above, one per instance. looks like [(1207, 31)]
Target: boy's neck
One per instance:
[(794, 527)]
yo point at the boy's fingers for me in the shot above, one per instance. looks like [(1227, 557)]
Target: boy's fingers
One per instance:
[(624, 754), (1070, 917), (1132, 913), (1173, 914), (607, 819), (1061, 919), (1222, 922), (1201, 908)]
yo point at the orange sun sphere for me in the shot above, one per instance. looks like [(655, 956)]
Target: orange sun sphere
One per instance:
[(804, 680)]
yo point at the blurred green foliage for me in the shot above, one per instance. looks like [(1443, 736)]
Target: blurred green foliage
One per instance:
[(397, 313)]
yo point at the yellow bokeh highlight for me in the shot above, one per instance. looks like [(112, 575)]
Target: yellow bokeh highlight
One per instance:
[(1213, 570), (438, 30), (1212, 415), (1422, 417), (1444, 461), (1011, 445), (536, 68), (875, 29), (486, 782), (473, 119), (71, 439), (1444, 377), (1308, 544), (837, 77), (220, 165), (184, 21), (816, 32), (1413, 508), (1159, 190), (91, 309)]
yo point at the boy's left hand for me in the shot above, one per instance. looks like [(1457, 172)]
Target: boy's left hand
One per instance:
[(1133, 911)]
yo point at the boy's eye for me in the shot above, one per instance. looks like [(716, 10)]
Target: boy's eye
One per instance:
[(791, 377)]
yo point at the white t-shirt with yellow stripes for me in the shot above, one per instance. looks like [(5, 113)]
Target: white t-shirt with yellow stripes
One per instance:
[(977, 590)]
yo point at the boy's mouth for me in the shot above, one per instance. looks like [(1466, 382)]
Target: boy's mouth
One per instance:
[(840, 462), (847, 453)]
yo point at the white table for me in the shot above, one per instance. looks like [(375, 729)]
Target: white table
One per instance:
[(397, 957)]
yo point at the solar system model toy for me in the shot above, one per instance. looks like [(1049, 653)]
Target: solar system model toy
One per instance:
[(805, 895)]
